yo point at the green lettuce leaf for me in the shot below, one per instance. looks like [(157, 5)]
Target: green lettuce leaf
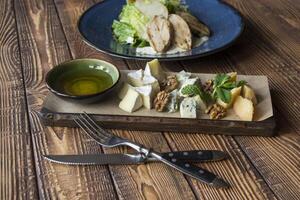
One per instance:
[(132, 16)]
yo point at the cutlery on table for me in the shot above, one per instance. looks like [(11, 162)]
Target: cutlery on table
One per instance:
[(107, 139), (130, 159)]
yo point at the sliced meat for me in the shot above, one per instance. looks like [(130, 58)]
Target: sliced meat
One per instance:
[(182, 33), (196, 26), (159, 32)]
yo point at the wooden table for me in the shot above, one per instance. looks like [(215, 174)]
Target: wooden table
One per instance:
[(35, 35)]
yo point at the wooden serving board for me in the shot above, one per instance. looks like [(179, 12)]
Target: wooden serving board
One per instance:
[(60, 112)]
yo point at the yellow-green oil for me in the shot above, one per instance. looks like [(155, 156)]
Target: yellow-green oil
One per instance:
[(87, 82)]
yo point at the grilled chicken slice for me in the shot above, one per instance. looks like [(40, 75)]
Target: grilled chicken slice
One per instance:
[(196, 26), (159, 32), (182, 33)]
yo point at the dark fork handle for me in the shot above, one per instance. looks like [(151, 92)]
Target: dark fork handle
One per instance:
[(191, 170)]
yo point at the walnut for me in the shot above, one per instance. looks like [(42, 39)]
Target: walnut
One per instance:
[(170, 84), (208, 86), (161, 100), (216, 111)]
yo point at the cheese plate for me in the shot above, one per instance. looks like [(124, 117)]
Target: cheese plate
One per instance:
[(137, 115)]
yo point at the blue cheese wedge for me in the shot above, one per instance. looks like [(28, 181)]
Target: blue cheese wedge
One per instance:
[(183, 75), (188, 108), (147, 95), (132, 101), (154, 69), (201, 105), (172, 106)]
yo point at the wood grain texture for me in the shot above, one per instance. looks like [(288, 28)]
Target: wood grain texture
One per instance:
[(259, 168), (17, 173), (131, 182), (267, 47), (43, 45)]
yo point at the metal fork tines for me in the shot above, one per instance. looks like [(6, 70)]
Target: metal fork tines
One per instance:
[(103, 137)]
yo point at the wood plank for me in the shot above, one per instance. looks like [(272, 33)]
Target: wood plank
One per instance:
[(151, 181), (242, 176), (43, 45), (17, 173), (284, 73), (276, 159)]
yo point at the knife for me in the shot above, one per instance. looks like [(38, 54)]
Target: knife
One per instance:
[(128, 159)]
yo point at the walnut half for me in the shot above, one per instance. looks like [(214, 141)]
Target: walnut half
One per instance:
[(216, 111), (161, 100), (170, 84)]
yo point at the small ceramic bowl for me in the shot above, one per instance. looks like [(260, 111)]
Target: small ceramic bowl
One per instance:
[(83, 80)]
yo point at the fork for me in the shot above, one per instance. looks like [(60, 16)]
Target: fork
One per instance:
[(107, 139)]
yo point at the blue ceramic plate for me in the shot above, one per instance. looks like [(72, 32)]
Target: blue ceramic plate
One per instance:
[(225, 23)]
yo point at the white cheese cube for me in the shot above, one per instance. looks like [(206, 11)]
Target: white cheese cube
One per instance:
[(147, 95), (188, 108), (154, 69), (132, 101), (124, 90), (135, 78)]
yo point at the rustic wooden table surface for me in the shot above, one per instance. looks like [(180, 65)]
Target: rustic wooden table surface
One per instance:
[(35, 35)]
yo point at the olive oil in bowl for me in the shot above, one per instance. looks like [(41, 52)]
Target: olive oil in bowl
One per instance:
[(86, 83), (83, 80)]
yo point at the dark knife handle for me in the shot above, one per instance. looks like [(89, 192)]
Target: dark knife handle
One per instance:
[(191, 170), (197, 156)]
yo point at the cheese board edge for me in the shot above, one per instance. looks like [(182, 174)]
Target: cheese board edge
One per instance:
[(265, 128)]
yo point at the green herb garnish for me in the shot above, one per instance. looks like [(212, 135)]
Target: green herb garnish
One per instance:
[(193, 90), (222, 87)]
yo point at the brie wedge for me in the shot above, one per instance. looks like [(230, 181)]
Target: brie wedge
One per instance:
[(132, 101), (147, 95), (188, 108), (154, 69), (124, 90), (135, 78)]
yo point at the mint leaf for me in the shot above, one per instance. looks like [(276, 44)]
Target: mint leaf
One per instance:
[(229, 85), (224, 95), (193, 90), (220, 79)]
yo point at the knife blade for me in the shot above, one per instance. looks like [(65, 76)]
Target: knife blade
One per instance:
[(96, 159), (126, 159)]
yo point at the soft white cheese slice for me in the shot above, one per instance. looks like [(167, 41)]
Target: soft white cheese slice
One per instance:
[(132, 101), (135, 78), (147, 95), (188, 108), (150, 80), (154, 69)]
